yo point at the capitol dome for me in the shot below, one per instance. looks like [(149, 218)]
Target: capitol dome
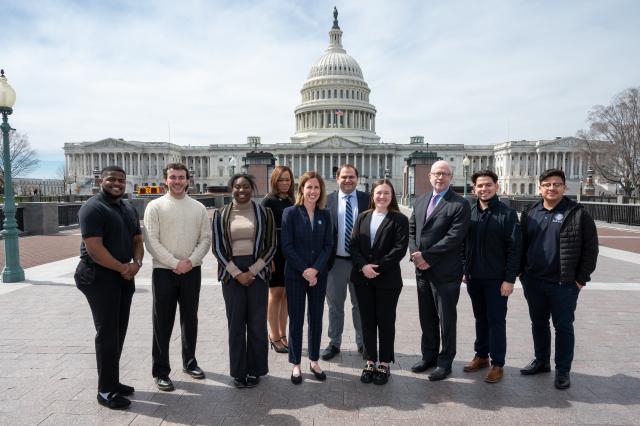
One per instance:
[(335, 97)]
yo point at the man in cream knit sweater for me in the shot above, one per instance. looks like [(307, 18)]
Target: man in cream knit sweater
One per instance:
[(177, 234)]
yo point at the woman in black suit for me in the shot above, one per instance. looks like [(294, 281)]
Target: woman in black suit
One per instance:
[(378, 244), (307, 242)]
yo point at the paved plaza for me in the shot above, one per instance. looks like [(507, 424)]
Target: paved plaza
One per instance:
[(48, 373)]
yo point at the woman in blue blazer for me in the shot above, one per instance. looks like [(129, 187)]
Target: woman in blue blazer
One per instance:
[(307, 242)]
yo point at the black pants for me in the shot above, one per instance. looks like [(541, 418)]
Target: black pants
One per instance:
[(490, 311), (558, 301), (247, 324), (438, 319), (109, 296), (169, 291), (378, 315)]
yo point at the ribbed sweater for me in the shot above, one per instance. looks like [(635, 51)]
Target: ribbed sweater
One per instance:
[(176, 229)]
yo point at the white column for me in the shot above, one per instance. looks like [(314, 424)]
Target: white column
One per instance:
[(370, 172), (386, 161)]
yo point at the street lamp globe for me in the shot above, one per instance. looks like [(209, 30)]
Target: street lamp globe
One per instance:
[(7, 94), (465, 168)]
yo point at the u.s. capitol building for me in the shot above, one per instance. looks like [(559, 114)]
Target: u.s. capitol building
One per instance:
[(335, 124)]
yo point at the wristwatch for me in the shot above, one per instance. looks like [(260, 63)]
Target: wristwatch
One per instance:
[(139, 262)]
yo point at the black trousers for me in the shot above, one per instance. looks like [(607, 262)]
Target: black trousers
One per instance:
[(247, 324), (437, 304), (378, 317), (109, 296), (490, 311), (169, 291), (298, 291), (551, 299)]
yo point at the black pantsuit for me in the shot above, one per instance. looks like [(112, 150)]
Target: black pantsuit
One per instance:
[(378, 314), (297, 291), (438, 319), (247, 323), (109, 296), (170, 290)]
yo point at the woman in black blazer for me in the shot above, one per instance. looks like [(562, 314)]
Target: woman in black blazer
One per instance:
[(378, 244), (307, 242)]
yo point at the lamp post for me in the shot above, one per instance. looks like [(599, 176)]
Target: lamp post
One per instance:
[(12, 271), (465, 166)]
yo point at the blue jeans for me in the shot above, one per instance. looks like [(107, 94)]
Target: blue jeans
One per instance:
[(558, 301), (490, 311)]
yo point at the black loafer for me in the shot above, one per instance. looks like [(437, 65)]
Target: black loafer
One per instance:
[(320, 376), (562, 381), (252, 381), (296, 380), (164, 383), (422, 366), (367, 373), (240, 382), (330, 352), (382, 375), (439, 374), (536, 366), (195, 372), (114, 401), (125, 390)]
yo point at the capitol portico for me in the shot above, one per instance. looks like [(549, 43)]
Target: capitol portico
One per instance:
[(334, 124)]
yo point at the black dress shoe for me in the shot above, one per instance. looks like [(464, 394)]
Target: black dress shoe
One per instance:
[(330, 352), (296, 380), (562, 380), (125, 390), (252, 381), (164, 383), (195, 372), (439, 374), (320, 376), (367, 373), (240, 382), (536, 366), (114, 401), (423, 365)]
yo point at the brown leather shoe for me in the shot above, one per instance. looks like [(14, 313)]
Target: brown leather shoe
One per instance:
[(476, 364), (494, 375)]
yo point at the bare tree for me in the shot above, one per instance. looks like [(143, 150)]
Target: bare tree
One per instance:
[(24, 159), (61, 173), (614, 130)]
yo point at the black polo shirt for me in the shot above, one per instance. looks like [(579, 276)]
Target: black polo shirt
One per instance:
[(543, 234), (116, 221)]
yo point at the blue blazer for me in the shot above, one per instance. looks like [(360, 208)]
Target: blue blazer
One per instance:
[(302, 246)]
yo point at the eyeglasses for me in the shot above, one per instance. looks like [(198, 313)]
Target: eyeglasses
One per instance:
[(548, 185), (440, 174)]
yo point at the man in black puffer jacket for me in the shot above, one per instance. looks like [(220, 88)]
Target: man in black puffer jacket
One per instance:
[(560, 250)]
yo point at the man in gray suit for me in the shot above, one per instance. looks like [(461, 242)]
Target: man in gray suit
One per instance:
[(437, 230), (344, 205)]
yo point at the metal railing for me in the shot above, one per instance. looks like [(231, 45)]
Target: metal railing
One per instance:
[(68, 214), (19, 218)]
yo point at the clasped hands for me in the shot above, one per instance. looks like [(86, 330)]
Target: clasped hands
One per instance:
[(419, 261), (129, 270), (311, 275)]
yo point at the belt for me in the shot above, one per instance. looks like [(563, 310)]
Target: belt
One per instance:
[(344, 257)]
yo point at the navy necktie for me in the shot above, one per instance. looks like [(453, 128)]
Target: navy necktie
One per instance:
[(348, 224)]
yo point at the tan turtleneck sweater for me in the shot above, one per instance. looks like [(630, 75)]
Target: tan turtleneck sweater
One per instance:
[(242, 236)]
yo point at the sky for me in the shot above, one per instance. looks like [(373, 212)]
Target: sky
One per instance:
[(214, 72)]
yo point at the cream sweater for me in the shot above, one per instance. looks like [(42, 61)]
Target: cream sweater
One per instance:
[(176, 229)]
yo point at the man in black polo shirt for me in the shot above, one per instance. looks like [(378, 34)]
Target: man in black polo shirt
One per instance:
[(110, 256), (560, 250)]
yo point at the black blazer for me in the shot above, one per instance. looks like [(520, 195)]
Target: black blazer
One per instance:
[(441, 237), (303, 247), (389, 247), (332, 206)]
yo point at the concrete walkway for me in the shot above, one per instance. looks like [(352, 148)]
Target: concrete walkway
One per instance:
[(48, 374)]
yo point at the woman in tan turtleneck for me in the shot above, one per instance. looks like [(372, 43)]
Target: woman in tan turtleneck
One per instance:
[(244, 242)]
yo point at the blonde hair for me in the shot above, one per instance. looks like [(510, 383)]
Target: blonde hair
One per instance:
[(322, 200)]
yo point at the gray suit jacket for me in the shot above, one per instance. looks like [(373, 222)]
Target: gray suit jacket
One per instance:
[(440, 239)]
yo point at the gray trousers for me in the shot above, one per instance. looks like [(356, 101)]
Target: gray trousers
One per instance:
[(337, 283)]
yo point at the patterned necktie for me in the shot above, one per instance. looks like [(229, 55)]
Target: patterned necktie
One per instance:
[(348, 224), (432, 205)]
